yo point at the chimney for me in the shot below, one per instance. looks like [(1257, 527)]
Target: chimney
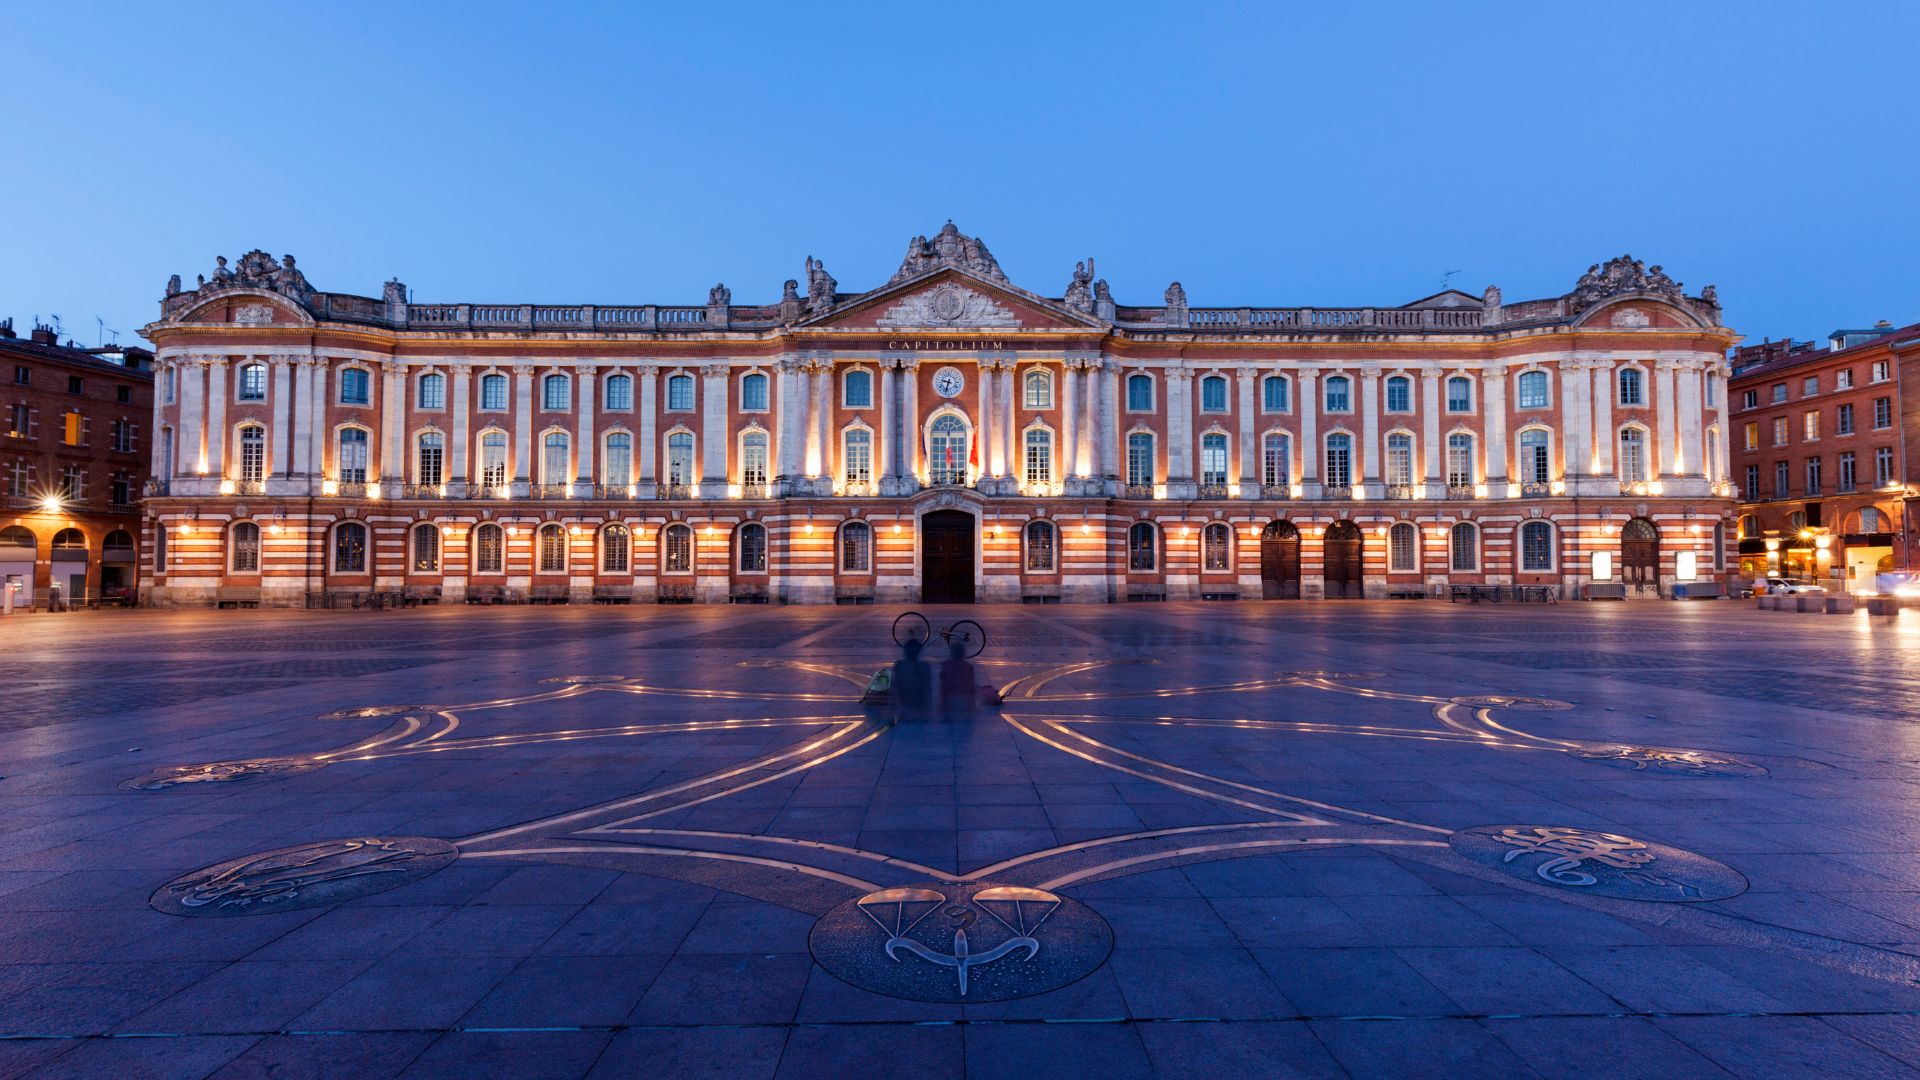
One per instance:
[(45, 335), (6, 328)]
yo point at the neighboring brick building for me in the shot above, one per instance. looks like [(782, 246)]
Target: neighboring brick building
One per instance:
[(1819, 455), (73, 459), (946, 436)]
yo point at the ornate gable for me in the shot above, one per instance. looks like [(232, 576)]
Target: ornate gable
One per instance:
[(952, 299)]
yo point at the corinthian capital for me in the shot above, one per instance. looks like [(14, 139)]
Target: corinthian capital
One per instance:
[(715, 371)]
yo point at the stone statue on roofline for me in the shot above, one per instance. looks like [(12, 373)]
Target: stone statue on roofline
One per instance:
[(1079, 290), (173, 284), (1176, 295), (393, 292), (719, 296), (821, 287), (221, 275), (949, 247)]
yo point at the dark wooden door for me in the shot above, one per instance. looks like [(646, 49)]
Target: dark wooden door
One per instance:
[(1341, 553), (946, 557), (1280, 562), (1640, 556)]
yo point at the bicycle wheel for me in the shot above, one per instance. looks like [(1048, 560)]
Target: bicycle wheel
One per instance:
[(971, 635), (911, 626)]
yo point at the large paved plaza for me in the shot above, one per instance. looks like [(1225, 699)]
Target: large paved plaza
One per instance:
[(1367, 839)]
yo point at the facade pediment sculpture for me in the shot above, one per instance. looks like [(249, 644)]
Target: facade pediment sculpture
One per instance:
[(1625, 274), (821, 288), (949, 247), (948, 305), (257, 270)]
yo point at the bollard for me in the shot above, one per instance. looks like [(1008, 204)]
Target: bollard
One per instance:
[(1839, 605), (1809, 602), (1882, 605)]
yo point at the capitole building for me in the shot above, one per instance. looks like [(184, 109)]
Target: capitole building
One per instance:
[(947, 436)]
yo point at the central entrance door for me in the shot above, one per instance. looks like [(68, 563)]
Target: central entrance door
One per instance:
[(946, 557), (1280, 562), (1341, 550), (1640, 556)]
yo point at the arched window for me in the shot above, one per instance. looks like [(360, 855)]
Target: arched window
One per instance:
[(243, 541), (947, 450), (616, 461), (553, 548), (1213, 459), (753, 460), (493, 459), (351, 456), (1749, 527), (1039, 459), (1273, 393), (1460, 470), (856, 390), (1796, 521), (1339, 394), (1139, 393), (1399, 460), (1403, 549), (856, 456), (556, 393), (489, 549), (252, 385), (619, 393), (1276, 460), (1533, 390), (70, 540), (676, 549), (350, 548), (680, 393), (433, 392), (615, 542), (1872, 520), (1536, 456), (1536, 547), (752, 539), (1040, 545), (680, 458), (1215, 541), (1339, 460), (1039, 387), (426, 549), (1140, 465), (431, 457), (253, 454), (1632, 387), (753, 393), (117, 540), (555, 463), (1465, 544), (493, 393), (354, 386), (1143, 546), (1399, 394), (1213, 394), (1459, 394), (856, 548), (1633, 454)]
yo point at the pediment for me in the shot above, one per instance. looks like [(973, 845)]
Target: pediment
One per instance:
[(952, 299), (245, 307)]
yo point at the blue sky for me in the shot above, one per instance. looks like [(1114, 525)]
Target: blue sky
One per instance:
[(628, 153)]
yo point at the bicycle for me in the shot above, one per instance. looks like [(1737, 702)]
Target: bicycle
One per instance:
[(971, 635)]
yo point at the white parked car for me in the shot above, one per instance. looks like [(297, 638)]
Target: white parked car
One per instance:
[(1786, 586)]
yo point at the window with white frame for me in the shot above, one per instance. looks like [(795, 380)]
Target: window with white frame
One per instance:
[(1399, 459), (1465, 545), (1881, 371), (856, 548), (244, 540), (1039, 457), (489, 549), (432, 392), (552, 545), (1532, 393), (1276, 460), (426, 549), (1459, 394), (350, 548), (619, 393), (1039, 389), (616, 460), (1273, 393), (1339, 393), (1403, 549), (354, 386), (1143, 546), (753, 459), (493, 459), (751, 539), (1883, 466), (556, 393), (252, 385), (856, 456), (352, 455), (1339, 460), (680, 458), (1633, 454), (680, 393), (1536, 456), (856, 391), (1842, 380), (1040, 547), (947, 450), (1213, 459), (253, 454), (1140, 459), (1536, 547), (1139, 393), (493, 393), (1213, 394), (430, 462), (753, 393), (1215, 542), (616, 545), (1632, 387), (555, 461), (1399, 394), (1460, 469)]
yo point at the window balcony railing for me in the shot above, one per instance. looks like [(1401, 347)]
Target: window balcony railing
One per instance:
[(1402, 491), (423, 491), (613, 491), (1459, 491), (551, 491), (753, 491), (859, 489), (352, 489), (496, 490), (673, 491), (1276, 491), (250, 487), (947, 480), (1639, 487), (154, 487), (1336, 491), (1212, 491), (1534, 489), (1137, 491)]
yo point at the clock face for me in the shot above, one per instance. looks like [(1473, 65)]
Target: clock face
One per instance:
[(948, 381)]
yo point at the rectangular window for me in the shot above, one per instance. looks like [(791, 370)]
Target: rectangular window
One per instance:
[(73, 483), (619, 393), (1213, 395), (1813, 477), (253, 382), (22, 375), (432, 460), (1881, 372), (617, 463), (1339, 463), (19, 478), (1753, 434), (433, 392), (1779, 431), (680, 393), (1883, 466), (74, 385), (493, 392), (1459, 461), (1847, 472), (1139, 393), (1843, 421), (1753, 483), (858, 457), (1533, 390), (1213, 460), (556, 393), (1400, 394), (19, 421), (123, 435), (1273, 394), (493, 459), (1339, 395), (123, 394), (1843, 379), (1039, 458), (1459, 395), (1810, 386), (73, 427), (1401, 549), (1276, 464), (753, 461), (1399, 461), (1779, 392), (1810, 427), (354, 386), (353, 456), (121, 490), (858, 390), (1139, 460), (1882, 413), (1780, 473), (1750, 399)]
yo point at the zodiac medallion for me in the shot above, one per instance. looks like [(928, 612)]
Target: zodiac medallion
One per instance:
[(311, 875), (215, 772), (1605, 864), (1669, 762)]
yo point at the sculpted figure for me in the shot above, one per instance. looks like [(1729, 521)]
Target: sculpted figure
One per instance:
[(719, 296), (221, 275), (789, 291), (1079, 291), (289, 281), (1711, 294), (173, 284), (820, 286), (393, 292), (1658, 281), (1176, 295)]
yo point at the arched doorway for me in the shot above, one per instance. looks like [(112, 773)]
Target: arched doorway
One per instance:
[(116, 563), (1341, 554), (1280, 561), (946, 557), (17, 550), (70, 565), (1640, 556)]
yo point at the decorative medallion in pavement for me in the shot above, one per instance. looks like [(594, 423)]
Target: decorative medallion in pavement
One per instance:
[(1598, 863), (961, 941), (1667, 761), (214, 772), (310, 875)]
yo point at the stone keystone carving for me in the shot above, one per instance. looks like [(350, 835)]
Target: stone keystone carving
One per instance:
[(948, 248)]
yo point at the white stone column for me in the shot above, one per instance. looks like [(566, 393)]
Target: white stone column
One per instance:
[(822, 399), (1369, 406), (1089, 424), (1690, 460), (910, 423), (1493, 411), (522, 427), (1664, 402), (1009, 416), (583, 428), (158, 466), (217, 417), (193, 420), (649, 426), (1723, 465), (1249, 460), (788, 439), (1603, 434), (1109, 470), (461, 376), (714, 435), (1430, 427), (280, 368), (886, 469), (1309, 406), (1576, 415), (319, 394), (1179, 433), (1069, 421), (990, 459), (393, 420)]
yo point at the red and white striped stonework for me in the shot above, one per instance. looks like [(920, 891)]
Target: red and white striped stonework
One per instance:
[(319, 444)]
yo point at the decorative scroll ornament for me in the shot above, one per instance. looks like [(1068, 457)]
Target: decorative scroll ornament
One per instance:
[(948, 248), (1606, 864), (311, 875), (948, 305), (1656, 759), (219, 772)]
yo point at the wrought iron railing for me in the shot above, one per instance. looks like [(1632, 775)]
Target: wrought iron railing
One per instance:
[(1459, 491), (1276, 491), (613, 491), (1534, 489), (423, 491), (1401, 491), (673, 491), (1336, 491), (1212, 491), (1137, 491), (250, 487), (551, 491), (753, 491)]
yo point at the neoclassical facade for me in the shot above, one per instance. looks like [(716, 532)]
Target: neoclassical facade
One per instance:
[(946, 436)]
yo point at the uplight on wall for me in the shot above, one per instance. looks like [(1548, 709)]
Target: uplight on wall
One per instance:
[(329, 487), (226, 487), (373, 491)]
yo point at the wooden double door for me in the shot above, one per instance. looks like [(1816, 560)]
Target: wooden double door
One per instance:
[(1344, 572), (1280, 561), (947, 557)]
